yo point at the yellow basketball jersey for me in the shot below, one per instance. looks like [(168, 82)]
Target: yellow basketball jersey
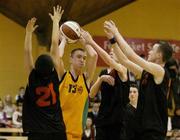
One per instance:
[(74, 102)]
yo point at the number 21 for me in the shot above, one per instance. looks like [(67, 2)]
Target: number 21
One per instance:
[(47, 92)]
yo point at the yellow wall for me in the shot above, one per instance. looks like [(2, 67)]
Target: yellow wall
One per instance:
[(145, 19), (12, 71), (158, 19)]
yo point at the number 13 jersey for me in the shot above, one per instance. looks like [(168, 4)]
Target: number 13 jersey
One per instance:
[(74, 102)]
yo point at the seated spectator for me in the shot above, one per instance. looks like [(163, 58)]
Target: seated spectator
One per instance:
[(9, 108), (20, 96), (88, 133), (17, 117), (94, 113), (3, 118)]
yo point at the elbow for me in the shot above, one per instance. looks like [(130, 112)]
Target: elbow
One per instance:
[(91, 95), (94, 56)]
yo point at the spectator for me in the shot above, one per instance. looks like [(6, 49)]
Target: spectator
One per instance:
[(128, 130), (20, 96), (94, 113), (17, 117), (9, 107), (3, 118), (88, 133)]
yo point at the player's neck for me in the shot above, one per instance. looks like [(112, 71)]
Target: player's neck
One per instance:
[(75, 73), (133, 103)]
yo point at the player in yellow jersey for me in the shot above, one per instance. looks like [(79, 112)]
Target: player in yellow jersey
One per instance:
[(74, 86)]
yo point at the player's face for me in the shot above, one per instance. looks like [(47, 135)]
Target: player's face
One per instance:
[(78, 59), (133, 94), (154, 53), (8, 99), (112, 55), (96, 107)]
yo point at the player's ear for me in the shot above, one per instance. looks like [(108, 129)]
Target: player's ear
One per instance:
[(159, 55), (70, 59)]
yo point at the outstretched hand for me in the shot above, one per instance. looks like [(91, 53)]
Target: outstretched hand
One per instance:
[(31, 27), (110, 27), (86, 37), (57, 13)]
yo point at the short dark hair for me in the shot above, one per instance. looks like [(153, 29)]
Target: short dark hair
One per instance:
[(44, 65), (76, 49), (166, 50), (134, 85)]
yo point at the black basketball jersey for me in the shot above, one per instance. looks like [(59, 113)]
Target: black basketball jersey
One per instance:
[(152, 104), (114, 100), (128, 129), (41, 106)]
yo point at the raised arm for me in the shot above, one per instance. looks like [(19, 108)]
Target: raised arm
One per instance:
[(152, 68), (136, 69), (92, 60), (104, 55), (28, 58), (61, 54), (122, 71), (55, 51)]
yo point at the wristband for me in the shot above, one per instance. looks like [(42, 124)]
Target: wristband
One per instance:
[(112, 40)]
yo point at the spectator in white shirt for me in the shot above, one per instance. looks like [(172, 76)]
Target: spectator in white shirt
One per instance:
[(17, 117)]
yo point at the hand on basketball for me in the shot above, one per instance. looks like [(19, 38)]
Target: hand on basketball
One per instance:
[(86, 36), (58, 12), (61, 37), (108, 79), (110, 27), (31, 27)]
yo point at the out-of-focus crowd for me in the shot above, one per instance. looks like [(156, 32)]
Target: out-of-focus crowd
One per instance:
[(10, 111)]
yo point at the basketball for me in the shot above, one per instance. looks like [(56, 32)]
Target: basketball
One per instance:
[(71, 31)]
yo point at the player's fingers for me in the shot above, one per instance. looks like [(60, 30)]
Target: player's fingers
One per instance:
[(36, 26), (51, 15)]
